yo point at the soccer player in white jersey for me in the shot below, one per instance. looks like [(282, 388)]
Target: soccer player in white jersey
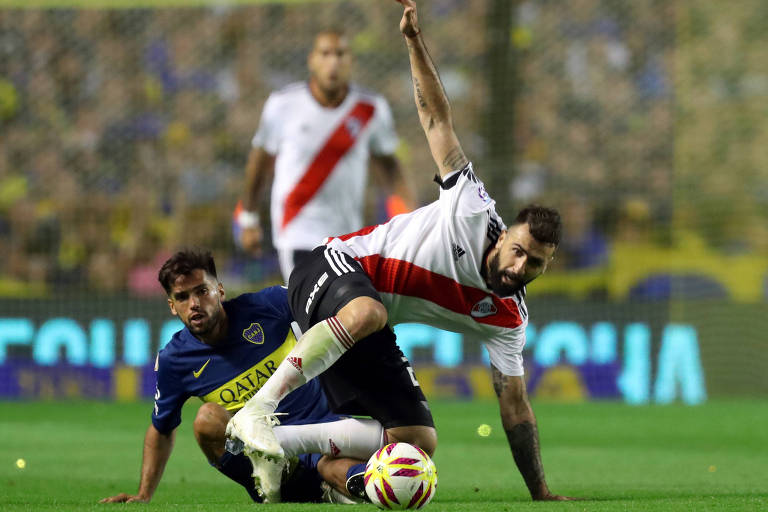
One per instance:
[(451, 264), (316, 138)]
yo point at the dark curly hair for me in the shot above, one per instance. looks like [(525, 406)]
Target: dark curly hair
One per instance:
[(183, 263), (545, 224)]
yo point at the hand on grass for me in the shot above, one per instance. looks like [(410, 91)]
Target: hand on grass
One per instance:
[(125, 498), (555, 497)]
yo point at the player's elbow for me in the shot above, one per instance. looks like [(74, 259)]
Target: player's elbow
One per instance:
[(436, 121)]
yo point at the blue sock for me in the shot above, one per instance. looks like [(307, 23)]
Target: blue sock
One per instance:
[(310, 460), (354, 470), (239, 469), (303, 485)]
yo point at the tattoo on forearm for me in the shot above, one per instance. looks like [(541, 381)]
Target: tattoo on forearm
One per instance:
[(455, 159), (419, 95), (524, 441)]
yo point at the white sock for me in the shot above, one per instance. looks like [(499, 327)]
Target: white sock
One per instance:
[(316, 351), (350, 437)]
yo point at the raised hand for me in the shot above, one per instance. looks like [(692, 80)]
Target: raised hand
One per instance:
[(409, 24)]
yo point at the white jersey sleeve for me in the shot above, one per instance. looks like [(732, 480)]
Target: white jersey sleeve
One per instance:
[(465, 193), (267, 135), (506, 357)]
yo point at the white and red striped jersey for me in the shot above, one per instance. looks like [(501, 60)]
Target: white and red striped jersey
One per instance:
[(321, 165), (426, 266)]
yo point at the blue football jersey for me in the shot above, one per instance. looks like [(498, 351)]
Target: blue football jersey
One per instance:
[(259, 336)]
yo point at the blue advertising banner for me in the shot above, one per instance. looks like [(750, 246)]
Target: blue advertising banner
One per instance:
[(636, 352)]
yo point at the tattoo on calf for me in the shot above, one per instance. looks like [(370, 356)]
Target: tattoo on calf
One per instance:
[(498, 380), (455, 159), (524, 441)]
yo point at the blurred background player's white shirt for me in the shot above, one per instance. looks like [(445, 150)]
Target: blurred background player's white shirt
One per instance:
[(309, 139)]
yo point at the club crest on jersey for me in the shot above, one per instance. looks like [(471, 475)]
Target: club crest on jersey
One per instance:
[(254, 334), (484, 308), (353, 126)]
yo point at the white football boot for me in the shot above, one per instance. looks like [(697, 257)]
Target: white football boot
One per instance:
[(253, 426), (268, 476)]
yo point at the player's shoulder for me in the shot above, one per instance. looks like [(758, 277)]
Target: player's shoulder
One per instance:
[(366, 94), (174, 349), (266, 300), (465, 174), (289, 91)]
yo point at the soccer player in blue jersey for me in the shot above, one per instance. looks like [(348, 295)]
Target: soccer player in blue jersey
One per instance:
[(224, 354)]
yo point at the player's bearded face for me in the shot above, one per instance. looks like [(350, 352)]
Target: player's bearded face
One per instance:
[(503, 282), (196, 299), (203, 322), (517, 259)]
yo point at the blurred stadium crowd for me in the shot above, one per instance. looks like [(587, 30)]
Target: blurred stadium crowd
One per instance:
[(124, 133)]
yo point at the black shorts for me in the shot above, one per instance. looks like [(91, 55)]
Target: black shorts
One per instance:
[(373, 378)]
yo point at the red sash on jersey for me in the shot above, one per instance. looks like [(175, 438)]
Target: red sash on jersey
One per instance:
[(390, 275), (337, 145)]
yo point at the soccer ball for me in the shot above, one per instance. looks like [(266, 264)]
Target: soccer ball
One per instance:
[(400, 476)]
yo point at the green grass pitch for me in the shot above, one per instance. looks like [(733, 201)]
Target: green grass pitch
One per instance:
[(657, 458)]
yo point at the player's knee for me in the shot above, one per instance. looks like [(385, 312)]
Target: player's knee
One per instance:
[(427, 441), (423, 437), (210, 422), (363, 316)]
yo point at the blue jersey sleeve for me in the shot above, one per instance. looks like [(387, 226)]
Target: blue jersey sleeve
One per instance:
[(169, 397)]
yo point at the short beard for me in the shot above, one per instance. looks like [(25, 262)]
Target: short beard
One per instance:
[(208, 327), (495, 279)]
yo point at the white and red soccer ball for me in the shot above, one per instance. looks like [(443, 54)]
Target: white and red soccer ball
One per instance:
[(400, 476)]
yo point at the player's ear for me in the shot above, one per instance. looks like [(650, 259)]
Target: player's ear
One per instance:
[(311, 56), (172, 307), (500, 241), (222, 295), (548, 263)]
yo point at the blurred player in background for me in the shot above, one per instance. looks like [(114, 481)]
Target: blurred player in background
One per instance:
[(226, 351), (452, 264), (315, 139)]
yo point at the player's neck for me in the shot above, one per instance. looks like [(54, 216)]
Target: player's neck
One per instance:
[(328, 99)]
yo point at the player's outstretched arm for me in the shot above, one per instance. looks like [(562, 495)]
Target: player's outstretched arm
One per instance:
[(431, 100), (157, 451), (258, 172), (520, 426)]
